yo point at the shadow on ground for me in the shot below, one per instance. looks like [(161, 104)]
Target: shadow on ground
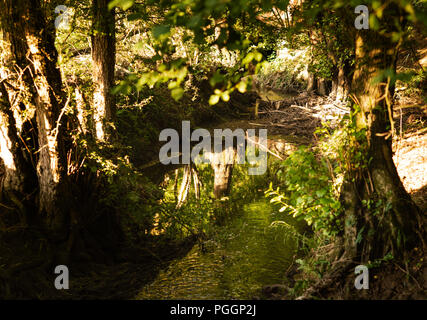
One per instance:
[(34, 277)]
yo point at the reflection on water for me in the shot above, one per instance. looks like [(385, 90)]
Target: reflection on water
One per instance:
[(235, 264)]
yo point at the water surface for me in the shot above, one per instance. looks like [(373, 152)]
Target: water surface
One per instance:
[(238, 260)]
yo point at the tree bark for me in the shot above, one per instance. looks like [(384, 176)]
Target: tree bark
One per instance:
[(334, 88), (18, 176), (222, 163), (48, 97), (311, 82), (342, 85), (81, 110), (321, 87), (103, 59), (222, 180), (185, 186)]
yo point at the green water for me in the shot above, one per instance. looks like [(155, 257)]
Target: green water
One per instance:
[(235, 263)]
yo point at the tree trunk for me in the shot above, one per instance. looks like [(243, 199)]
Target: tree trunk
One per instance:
[(222, 180), (46, 79), (222, 164), (311, 82), (334, 88), (342, 88), (18, 135), (81, 109), (103, 59), (321, 87), (185, 186), (370, 232), (18, 177), (17, 171)]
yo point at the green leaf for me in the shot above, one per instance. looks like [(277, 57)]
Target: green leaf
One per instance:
[(124, 4), (258, 56), (158, 31), (374, 22), (249, 57), (172, 85), (213, 99), (320, 193), (359, 237), (225, 96), (177, 93), (241, 86)]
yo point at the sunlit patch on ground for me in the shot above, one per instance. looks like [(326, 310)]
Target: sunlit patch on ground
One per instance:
[(411, 151)]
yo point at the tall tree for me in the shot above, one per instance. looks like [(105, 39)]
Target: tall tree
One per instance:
[(103, 60), (46, 87), (401, 224), (18, 176)]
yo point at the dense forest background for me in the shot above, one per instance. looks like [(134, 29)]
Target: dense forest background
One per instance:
[(87, 86)]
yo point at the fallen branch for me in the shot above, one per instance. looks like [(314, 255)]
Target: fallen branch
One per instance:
[(263, 147)]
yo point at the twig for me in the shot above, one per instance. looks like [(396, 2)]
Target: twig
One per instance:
[(58, 123), (265, 148), (304, 108), (5, 206), (257, 124), (407, 273)]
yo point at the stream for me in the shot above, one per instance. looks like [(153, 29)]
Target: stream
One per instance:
[(235, 263), (251, 251)]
